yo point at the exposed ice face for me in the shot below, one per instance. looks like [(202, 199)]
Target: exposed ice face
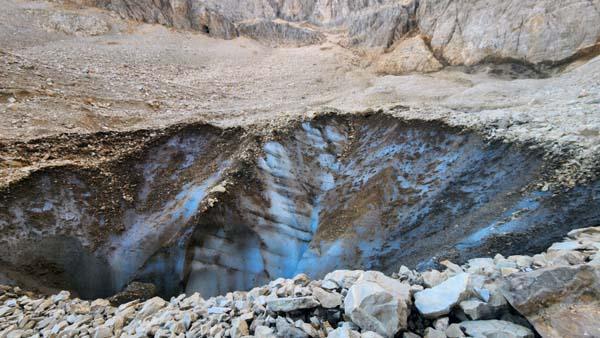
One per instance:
[(332, 194)]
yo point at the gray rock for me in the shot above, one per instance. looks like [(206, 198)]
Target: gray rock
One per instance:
[(559, 301), (454, 331), (370, 334), (439, 300), (495, 328), (433, 333), (343, 332), (344, 278), (150, 307), (469, 32), (373, 308), (264, 332), (327, 299), (292, 304), (286, 330), (276, 33), (239, 328)]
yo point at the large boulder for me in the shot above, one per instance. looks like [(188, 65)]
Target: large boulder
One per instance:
[(373, 308), (560, 301), (439, 300), (471, 31)]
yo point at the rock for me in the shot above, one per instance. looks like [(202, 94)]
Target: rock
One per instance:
[(276, 33), (264, 332), (133, 291), (370, 334), (398, 289), (441, 323), (528, 30), (559, 301), (439, 300), (373, 308), (344, 278), (565, 257), (433, 333), (495, 328), (329, 285), (239, 328), (379, 26), (213, 23), (432, 278), (327, 300), (481, 266), (150, 307), (343, 332), (410, 335), (454, 331), (292, 304), (285, 329), (103, 332)]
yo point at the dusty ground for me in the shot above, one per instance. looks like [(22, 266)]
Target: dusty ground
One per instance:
[(81, 70)]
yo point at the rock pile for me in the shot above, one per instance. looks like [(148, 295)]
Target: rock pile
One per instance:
[(556, 293)]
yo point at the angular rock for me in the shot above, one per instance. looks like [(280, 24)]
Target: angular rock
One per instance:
[(495, 328), (560, 301), (292, 304), (264, 332), (327, 300), (433, 333), (343, 332), (454, 331), (285, 329), (439, 300), (344, 278), (239, 328), (151, 306), (373, 308)]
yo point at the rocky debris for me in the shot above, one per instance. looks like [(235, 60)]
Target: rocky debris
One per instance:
[(276, 33), (410, 55), (558, 300), (76, 24)]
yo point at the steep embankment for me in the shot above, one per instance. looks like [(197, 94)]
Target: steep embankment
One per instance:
[(197, 208)]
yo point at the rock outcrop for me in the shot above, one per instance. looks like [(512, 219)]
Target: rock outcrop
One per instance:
[(559, 300), (461, 32)]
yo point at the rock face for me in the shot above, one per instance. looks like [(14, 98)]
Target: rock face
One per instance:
[(410, 55), (278, 33), (468, 32), (461, 32)]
